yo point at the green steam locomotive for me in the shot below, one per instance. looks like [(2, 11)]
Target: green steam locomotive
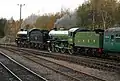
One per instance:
[(80, 40)]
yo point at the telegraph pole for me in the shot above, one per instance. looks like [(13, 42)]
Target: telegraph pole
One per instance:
[(20, 12)]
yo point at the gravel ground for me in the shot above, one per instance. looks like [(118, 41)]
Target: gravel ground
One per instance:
[(52, 76), (108, 76), (21, 72), (44, 72), (5, 75)]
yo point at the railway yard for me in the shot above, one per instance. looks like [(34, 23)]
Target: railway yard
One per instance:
[(60, 40), (24, 64)]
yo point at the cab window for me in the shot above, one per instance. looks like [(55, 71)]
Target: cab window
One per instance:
[(70, 34), (112, 36), (117, 38)]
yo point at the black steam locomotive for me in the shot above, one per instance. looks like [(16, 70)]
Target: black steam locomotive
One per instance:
[(34, 38)]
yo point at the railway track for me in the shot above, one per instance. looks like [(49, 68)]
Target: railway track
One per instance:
[(75, 75), (63, 70), (18, 71), (102, 64), (110, 58), (89, 62), (6, 74)]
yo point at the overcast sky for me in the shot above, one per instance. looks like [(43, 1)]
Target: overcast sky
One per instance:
[(9, 8)]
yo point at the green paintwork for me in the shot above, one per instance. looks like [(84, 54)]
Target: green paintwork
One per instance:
[(61, 37), (59, 34), (70, 38), (112, 40), (88, 39)]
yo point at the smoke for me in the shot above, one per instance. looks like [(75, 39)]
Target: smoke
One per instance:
[(30, 20), (67, 21)]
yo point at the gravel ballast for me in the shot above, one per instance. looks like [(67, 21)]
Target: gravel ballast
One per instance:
[(52, 76)]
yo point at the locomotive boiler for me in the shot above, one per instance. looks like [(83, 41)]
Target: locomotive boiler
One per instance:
[(58, 40), (37, 38)]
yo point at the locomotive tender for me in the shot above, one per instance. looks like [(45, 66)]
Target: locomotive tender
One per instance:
[(75, 40)]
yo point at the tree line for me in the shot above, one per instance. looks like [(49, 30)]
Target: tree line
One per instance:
[(91, 14), (99, 14)]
